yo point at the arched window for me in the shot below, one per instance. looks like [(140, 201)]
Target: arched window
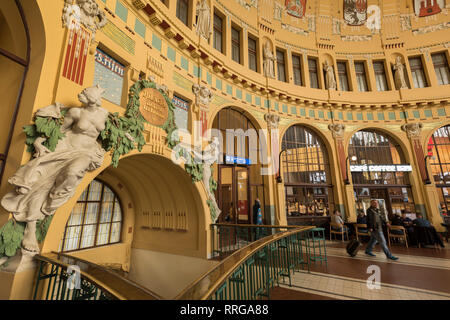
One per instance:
[(387, 185), (306, 173), (95, 220), (439, 151)]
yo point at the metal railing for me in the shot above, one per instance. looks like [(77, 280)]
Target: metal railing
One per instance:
[(252, 271), (227, 238), (57, 279)]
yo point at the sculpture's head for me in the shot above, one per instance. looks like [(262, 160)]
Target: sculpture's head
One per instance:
[(91, 96), (89, 7)]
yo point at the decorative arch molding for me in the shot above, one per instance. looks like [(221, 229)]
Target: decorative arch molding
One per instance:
[(401, 141), (257, 123), (142, 178)]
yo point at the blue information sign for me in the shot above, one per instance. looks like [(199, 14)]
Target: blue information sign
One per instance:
[(237, 160)]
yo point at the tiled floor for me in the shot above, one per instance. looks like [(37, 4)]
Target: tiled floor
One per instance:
[(415, 276)]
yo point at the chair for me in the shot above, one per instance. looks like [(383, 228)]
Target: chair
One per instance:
[(334, 225), (359, 226), (398, 236)]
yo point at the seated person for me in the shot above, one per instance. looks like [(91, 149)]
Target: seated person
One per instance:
[(361, 219), (396, 221), (336, 218), (426, 233), (407, 222), (421, 222)]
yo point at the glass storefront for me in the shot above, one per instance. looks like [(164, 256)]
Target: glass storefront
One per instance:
[(390, 187), (306, 174), (240, 182), (439, 153)]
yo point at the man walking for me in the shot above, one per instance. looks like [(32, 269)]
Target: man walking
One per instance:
[(375, 225)]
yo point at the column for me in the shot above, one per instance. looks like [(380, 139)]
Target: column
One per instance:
[(413, 131)]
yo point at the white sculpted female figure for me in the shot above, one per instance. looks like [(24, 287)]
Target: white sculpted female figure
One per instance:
[(210, 156), (50, 179), (203, 19), (269, 61), (331, 81), (399, 75)]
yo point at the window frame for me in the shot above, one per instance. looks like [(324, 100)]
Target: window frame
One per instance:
[(97, 224), (188, 9), (342, 75), (283, 63), (255, 53), (362, 75), (216, 31), (417, 72), (438, 67), (316, 72), (384, 74), (236, 43), (297, 69)]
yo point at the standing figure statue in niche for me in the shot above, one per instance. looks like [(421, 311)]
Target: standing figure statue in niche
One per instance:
[(209, 157), (203, 20), (50, 179), (331, 81), (269, 61), (399, 75)]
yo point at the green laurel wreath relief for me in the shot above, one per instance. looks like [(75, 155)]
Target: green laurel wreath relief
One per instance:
[(11, 235)]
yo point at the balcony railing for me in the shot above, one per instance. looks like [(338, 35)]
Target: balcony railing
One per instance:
[(58, 279), (252, 271)]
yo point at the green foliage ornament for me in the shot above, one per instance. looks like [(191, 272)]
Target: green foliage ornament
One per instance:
[(11, 235)]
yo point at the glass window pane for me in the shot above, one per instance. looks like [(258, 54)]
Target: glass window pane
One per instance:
[(115, 232), (91, 213), (103, 233), (95, 191), (117, 211), (76, 215), (107, 208), (88, 236), (72, 238)]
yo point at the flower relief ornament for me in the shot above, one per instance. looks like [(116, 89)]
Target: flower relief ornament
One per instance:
[(60, 162)]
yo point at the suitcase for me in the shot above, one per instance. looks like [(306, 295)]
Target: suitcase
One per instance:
[(353, 247)]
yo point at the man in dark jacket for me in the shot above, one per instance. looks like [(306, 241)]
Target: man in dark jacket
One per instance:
[(375, 225)]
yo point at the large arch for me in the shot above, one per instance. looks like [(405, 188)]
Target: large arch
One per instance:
[(163, 210)]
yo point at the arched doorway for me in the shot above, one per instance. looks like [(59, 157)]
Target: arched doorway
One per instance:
[(238, 173), (439, 153), (379, 171), (14, 63), (306, 174)]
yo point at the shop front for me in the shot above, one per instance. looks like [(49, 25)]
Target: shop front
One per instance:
[(306, 175), (379, 172), (239, 177)]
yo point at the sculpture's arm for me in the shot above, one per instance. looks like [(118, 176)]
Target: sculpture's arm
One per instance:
[(39, 148), (72, 115)]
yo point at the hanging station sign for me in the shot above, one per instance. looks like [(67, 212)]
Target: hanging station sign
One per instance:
[(237, 160), (381, 168), (153, 106)]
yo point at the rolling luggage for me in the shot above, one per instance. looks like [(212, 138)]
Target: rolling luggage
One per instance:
[(353, 247)]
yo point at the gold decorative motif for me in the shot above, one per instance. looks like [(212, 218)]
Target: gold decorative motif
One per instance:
[(153, 106)]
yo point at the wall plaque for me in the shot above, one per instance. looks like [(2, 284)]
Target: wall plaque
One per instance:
[(153, 106)]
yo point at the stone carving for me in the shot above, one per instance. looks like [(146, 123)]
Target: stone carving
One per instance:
[(294, 29), (405, 21), (203, 97), (46, 182), (202, 93), (203, 27), (209, 157), (85, 12), (356, 38), (272, 120), (412, 130), (269, 61), (355, 12), (428, 29), (330, 79), (337, 130), (399, 75), (336, 26), (278, 11)]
